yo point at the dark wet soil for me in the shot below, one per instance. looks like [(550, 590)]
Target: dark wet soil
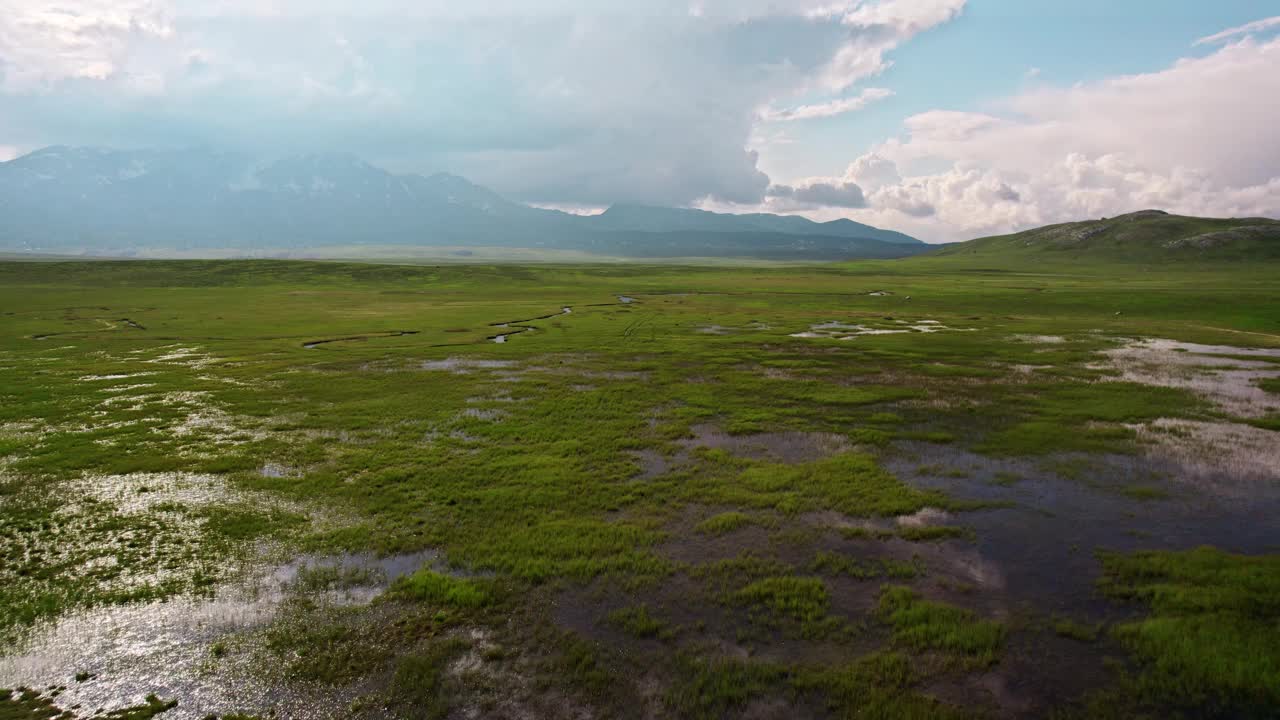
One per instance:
[(1041, 551), (787, 447), (1031, 559)]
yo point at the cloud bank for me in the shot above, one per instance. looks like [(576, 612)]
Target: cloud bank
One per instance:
[(583, 103), (563, 101)]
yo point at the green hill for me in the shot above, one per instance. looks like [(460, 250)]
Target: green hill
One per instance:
[(1149, 236)]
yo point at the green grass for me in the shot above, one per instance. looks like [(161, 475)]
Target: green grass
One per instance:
[(1155, 239), (803, 599), (1212, 639), (1075, 630), (518, 462), (724, 523), (829, 563), (29, 704), (852, 484), (706, 690), (796, 605), (431, 587), (420, 685), (241, 524), (880, 685), (932, 533), (1089, 418), (638, 622), (925, 625)]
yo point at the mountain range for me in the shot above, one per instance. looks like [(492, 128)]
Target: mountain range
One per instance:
[(91, 200)]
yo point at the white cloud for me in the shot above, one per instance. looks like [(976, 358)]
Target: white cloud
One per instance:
[(816, 193), (876, 29), (1257, 26), (873, 172), (827, 109), (571, 101), (42, 43), (1197, 138)]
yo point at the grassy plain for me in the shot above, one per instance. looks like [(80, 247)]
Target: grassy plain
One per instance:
[(687, 494)]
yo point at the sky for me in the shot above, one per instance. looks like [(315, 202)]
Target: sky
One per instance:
[(946, 119)]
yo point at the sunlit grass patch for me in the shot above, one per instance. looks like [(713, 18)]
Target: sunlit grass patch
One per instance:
[(724, 523), (784, 602), (829, 563), (1039, 437), (432, 587), (1270, 422), (241, 523), (1087, 417), (926, 625), (639, 622), (580, 548), (1213, 636), (850, 483), (804, 599)]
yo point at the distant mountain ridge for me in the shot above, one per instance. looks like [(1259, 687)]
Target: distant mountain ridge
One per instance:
[(646, 218), (1143, 236), (64, 199)]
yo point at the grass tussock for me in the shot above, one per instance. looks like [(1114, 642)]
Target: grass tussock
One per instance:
[(925, 625), (637, 621), (1212, 638), (724, 523), (435, 588)]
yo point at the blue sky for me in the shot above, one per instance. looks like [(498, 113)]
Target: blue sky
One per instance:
[(988, 52), (944, 118)]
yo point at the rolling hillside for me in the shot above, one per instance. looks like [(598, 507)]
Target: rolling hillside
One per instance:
[(1145, 236)]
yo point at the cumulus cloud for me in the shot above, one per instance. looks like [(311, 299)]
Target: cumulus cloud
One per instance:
[(571, 101), (877, 29), (818, 193), (1197, 137), (42, 43)]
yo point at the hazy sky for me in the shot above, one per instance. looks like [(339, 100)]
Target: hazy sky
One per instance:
[(943, 118)]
